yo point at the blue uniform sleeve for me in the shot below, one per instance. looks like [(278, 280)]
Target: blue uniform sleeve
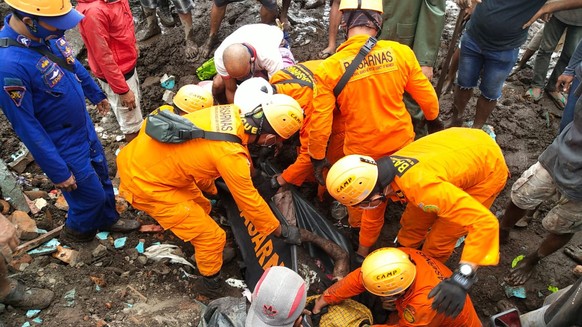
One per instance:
[(16, 103), (92, 91), (575, 60)]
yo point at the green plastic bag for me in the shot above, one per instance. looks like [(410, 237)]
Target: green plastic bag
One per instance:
[(207, 70)]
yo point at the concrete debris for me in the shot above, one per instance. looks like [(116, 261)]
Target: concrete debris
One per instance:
[(5, 206), (577, 271), (99, 251), (151, 229), (11, 189), (172, 252), (25, 224), (61, 203), (67, 255), (20, 159)]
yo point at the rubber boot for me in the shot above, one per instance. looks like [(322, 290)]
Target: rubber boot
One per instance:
[(215, 287), (28, 298), (152, 27), (483, 110), (165, 15)]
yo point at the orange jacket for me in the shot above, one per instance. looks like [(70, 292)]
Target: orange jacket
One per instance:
[(437, 173), (285, 83), (414, 307), (376, 121), (166, 173)]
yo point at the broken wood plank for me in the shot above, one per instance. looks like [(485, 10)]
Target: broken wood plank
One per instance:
[(25, 247)]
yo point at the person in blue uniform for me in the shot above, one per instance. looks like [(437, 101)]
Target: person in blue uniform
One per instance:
[(42, 93)]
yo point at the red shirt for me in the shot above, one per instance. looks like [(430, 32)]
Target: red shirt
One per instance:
[(108, 33)]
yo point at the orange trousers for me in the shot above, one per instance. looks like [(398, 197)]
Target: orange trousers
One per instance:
[(190, 221)]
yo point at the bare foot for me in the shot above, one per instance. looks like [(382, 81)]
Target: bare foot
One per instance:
[(191, 49), (522, 272), (574, 252), (206, 48)]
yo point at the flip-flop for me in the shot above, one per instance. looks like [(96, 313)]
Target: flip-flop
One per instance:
[(529, 94), (558, 98)]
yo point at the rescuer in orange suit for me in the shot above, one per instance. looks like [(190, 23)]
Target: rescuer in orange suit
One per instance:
[(297, 82), (375, 120), (160, 178), (402, 278), (449, 180)]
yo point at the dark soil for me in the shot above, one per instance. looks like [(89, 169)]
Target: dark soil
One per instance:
[(133, 292)]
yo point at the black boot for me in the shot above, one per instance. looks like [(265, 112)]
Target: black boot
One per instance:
[(165, 15)]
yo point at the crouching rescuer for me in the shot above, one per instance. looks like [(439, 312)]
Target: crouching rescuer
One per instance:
[(163, 179)]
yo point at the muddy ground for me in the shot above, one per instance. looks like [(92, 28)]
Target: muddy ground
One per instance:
[(134, 292)]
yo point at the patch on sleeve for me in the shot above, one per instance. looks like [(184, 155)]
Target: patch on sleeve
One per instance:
[(408, 314), (430, 208), (15, 91), (402, 164), (66, 50), (43, 64)]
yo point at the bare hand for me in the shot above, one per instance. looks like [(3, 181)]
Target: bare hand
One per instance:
[(464, 4), (69, 185), (564, 82), (427, 71), (128, 100), (8, 238), (103, 107), (320, 303), (545, 9)]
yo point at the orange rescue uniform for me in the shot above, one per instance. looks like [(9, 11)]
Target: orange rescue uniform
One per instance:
[(376, 121), (449, 179), (160, 179), (414, 307)]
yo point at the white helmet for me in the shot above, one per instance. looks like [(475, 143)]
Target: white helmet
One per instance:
[(252, 93)]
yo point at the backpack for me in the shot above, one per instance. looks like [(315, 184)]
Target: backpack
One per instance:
[(168, 127)]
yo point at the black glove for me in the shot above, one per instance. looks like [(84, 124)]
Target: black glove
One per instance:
[(450, 294), (433, 126), (291, 234), (318, 166)]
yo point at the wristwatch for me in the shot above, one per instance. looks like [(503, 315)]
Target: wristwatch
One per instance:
[(466, 270), (275, 183), (464, 276)]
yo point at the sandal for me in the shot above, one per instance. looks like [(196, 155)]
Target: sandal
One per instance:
[(530, 94), (324, 54), (558, 98)]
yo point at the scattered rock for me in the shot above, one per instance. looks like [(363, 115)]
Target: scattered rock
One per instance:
[(577, 271), (5, 206), (61, 203), (67, 255), (99, 251), (33, 195), (25, 224)]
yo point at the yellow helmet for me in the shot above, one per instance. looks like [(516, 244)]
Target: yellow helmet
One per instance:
[(190, 98), (59, 14), (352, 178), (387, 272), (375, 5), (284, 114), (251, 93)]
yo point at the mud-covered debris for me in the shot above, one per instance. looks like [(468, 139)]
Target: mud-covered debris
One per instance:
[(20, 263), (33, 195), (99, 251), (70, 298)]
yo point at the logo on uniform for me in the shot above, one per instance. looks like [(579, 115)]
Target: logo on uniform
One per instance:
[(16, 93), (66, 50), (43, 64), (23, 40), (53, 76), (408, 314)]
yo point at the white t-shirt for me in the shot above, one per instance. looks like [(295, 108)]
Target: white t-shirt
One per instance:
[(266, 40)]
